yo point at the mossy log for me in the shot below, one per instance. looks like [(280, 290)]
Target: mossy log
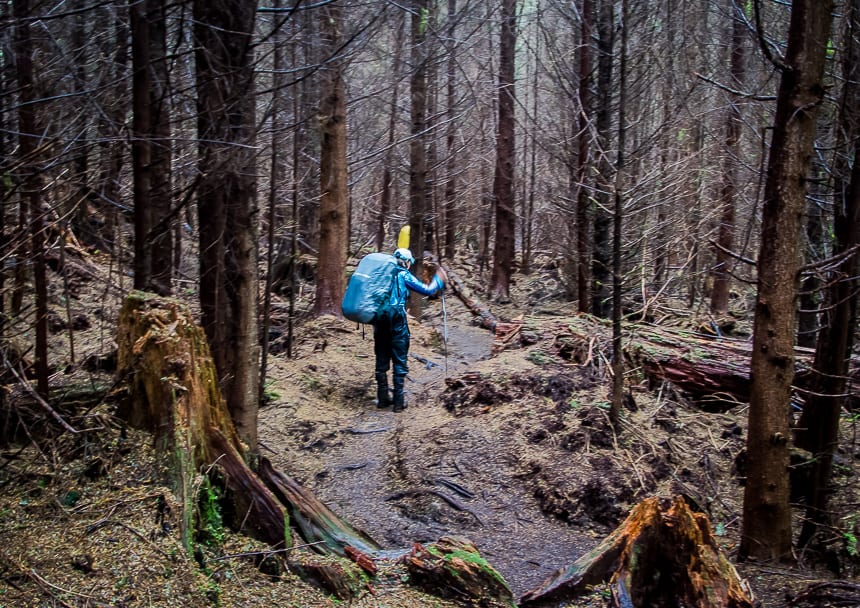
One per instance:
[(452, 567), (663, 554)]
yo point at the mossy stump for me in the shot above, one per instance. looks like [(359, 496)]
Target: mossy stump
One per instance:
[(173, 392)]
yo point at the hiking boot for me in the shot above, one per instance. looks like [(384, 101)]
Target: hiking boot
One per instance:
[(399, 398), (383, 398)]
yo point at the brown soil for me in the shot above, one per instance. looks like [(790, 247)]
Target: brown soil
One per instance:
[(511, 450)]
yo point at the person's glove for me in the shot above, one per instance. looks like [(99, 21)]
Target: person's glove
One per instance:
[(440, 272)]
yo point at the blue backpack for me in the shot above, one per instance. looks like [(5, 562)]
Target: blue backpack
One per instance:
[(369, 289)]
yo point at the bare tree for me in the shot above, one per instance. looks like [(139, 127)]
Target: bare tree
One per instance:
[(503, 181), (766, 530), (726, 235), (31, 183)]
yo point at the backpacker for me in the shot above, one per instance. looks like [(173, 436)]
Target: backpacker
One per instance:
[(369, 289)]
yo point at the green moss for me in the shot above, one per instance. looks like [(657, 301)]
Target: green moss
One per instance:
[(210, 524)]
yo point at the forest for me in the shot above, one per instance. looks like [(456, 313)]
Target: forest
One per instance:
[(637, 389)]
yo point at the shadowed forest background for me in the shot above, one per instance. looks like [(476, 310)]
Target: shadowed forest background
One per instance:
[(632, 162)]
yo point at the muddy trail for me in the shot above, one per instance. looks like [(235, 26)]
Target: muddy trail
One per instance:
[(424, 473)]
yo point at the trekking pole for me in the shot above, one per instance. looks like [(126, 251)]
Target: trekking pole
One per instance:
[(445, 332)]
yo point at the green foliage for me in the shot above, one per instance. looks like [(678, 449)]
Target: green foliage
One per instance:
[(212, 591), (850, 540), (210, 525), (422, 24), (537, 357)]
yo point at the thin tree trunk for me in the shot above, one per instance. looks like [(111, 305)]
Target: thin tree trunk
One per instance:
[(617, 225), (601, 256), (503, 181), (819, 423), (766, 530), (417, 145), (388, 161), (726, 235), (584, 205), (31, 184), (451, 168)]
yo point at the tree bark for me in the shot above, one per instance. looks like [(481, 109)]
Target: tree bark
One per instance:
[(818, 428), (418, 142), (31, 184), (151, 149), (726, 234), (602, 246), (334, 202), (503, 181), (227, 206), (584, 204), (766, 530)]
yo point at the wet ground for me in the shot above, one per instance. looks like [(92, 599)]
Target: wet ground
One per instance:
[(424, 473)]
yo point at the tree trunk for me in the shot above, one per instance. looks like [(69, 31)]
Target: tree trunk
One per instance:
[(227, 207), (601, 254), (385, 199), (818, 429), (151, 149), (584, 205), (451, 165), (503, 181), (31, 184), (617, 225), (418, 145), (726, 234), (334, 203), (766, 530)]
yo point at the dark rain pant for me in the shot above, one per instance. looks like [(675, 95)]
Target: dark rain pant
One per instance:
[(391, 347)]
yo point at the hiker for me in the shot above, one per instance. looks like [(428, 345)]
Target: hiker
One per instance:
[(391, 331)]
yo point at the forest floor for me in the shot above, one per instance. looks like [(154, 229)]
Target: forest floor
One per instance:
[(508, 448)]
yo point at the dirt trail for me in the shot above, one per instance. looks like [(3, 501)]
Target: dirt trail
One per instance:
[(417, 475)]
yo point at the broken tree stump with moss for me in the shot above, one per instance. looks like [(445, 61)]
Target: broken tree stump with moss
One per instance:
[(173, 392), (663, 554)]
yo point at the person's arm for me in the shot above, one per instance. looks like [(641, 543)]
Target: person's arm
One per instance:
[(425, 289)]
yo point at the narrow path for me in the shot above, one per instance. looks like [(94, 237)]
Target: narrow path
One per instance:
[(423, 473)]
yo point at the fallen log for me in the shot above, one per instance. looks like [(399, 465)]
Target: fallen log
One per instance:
[(486, 318), (712, 371), (505, 332), (663, 554), (452, 567)]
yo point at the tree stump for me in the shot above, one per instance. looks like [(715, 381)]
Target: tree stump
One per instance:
[(663, 555), (173, 392)]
